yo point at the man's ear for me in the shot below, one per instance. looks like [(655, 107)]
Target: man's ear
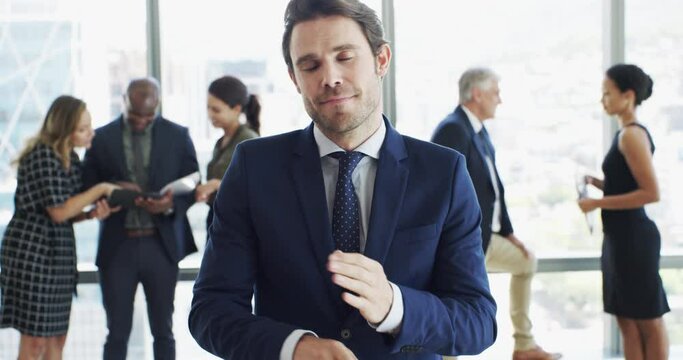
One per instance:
[(293, 77), (476, 94), (382, 60), (126, 100)]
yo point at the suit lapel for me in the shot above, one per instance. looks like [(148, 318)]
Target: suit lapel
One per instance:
[(155, 154), (478, 143), (389, 190), (310, 189), (117, 148)]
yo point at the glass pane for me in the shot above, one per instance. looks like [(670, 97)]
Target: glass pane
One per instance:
[(566, 313), (673, 284), (654, 41), (649, 34), (49, 48), (239, 38), (88, 328), (548, 128)]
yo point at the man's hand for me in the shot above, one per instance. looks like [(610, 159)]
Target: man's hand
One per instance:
[(129, 185), (516, 242), (203, 191), (311, 347), (102, 210), (156, 206), (372, 294)]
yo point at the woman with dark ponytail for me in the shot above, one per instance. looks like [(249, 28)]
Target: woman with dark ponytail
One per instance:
[(632, 287), (228, 98)]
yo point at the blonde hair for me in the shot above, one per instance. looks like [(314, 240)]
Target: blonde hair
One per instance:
[(60, 123)]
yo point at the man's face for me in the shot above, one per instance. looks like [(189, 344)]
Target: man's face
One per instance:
[(337, 74), (489, 99), (141, 103)]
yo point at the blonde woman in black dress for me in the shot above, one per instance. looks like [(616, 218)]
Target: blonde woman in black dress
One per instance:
[(228, 98), (38, 255), (632, 287)]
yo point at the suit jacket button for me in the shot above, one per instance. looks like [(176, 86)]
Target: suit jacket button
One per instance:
[(346, 334)]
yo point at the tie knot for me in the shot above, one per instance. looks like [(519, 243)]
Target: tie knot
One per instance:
[(347, 160)]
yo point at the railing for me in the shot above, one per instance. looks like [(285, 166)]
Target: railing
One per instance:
[(581, 262), (88, 320)]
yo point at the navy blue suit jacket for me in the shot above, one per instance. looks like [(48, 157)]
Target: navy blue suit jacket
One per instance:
[(172, 156), (271, 237), (456, 132)]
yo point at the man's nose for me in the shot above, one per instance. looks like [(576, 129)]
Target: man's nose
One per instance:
[(332, 76)]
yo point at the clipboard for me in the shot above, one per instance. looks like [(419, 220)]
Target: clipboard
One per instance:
[(126, 197)]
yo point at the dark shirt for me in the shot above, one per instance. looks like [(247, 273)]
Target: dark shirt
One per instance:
[(137, 218)]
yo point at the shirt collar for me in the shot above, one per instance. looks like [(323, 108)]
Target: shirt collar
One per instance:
[(474, 120), (146, 131), (369, 147)]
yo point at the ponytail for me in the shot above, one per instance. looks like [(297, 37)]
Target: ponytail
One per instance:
[(253, 111)]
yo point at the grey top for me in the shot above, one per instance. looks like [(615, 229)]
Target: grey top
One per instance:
[(222, 156)]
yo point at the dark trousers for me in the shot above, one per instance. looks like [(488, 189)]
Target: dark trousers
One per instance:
[(139, 260)]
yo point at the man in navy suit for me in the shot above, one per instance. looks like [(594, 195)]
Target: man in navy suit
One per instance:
[(463, 130), (143, 244), (356, 241)]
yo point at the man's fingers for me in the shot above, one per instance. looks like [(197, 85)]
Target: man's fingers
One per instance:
[(357, 302), (359, 287), (351, 271), (355, 259)]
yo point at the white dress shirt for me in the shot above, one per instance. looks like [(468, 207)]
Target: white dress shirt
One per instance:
[(478, 126), (363, 178)]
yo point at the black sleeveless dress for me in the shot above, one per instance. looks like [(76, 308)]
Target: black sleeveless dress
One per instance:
[(631, 285)]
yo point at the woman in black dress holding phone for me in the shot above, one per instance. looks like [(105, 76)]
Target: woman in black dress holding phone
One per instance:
[(632, 287)]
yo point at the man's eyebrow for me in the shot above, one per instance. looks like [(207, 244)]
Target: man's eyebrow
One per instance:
[(305, 58), (345, 47)]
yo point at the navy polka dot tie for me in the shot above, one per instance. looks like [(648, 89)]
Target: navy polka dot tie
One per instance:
[(346, 210)]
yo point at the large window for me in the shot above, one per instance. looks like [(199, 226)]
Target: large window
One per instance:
[(654, 41), (578, 333), (49, 48), (548, 128)]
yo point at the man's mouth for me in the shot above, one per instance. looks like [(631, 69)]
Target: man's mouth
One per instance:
[(335, 100)]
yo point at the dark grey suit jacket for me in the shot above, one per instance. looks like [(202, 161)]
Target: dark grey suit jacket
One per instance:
[(172, 156)]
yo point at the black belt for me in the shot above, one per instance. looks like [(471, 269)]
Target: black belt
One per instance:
[(144, 232)]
